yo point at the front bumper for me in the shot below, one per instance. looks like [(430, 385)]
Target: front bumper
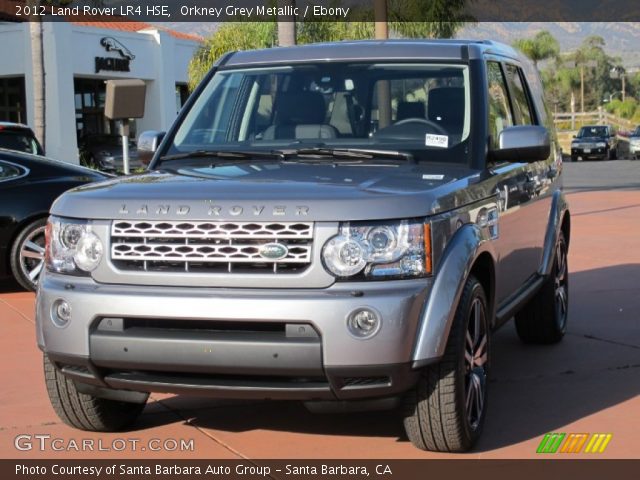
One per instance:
[(590, 153), (233, 343)]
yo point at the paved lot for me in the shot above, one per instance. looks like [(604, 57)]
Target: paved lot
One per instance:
[(589, 383)]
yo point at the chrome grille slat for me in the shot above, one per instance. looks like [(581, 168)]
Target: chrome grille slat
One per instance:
[(165, 245), (220, 230)]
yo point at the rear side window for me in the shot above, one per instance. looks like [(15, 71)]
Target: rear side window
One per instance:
[(500, 115), (519, 96), (8, 172), (19, 140)]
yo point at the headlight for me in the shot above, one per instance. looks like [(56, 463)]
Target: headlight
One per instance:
[(379, 250), (601, 145), (72, 247)]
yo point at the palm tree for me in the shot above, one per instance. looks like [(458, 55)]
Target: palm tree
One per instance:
[(541, 47), (286, 25), (37, 68), (37, 65)]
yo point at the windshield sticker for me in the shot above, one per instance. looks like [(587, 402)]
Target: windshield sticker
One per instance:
[(428, 176), (440, 141)]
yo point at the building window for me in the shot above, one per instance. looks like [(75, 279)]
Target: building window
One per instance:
[(12, 100), (182, 93), (89, 101)]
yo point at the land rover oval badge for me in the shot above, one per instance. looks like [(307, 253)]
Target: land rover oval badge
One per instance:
[(273, 251)]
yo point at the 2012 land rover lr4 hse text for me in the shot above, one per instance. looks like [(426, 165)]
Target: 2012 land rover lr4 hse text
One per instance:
[(329, 223)]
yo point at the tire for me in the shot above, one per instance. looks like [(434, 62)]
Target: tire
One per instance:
[(437, 413), (27, 254), (83, 411), (544, 319), (574, 159)]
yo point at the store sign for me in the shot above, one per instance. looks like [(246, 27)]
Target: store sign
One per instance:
[(114, 64)]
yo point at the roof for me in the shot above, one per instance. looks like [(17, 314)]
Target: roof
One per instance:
[(373, 50), (134, 27), (13, 125)]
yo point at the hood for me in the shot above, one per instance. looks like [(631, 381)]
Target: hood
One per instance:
[(263, 191), (590, 139)]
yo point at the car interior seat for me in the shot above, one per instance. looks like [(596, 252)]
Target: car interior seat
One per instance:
[(300, 115), (410, 110), (446, 108)]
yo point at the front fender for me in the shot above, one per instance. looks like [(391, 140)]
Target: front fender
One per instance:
[(440, 307)]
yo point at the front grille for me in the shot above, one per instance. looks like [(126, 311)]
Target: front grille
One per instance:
[(214, 247)]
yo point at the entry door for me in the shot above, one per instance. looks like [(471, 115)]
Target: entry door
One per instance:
[(519, 187)]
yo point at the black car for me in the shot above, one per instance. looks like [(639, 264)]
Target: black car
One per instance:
[(104, 152), (19, 137), (597, 142), (28, 186)]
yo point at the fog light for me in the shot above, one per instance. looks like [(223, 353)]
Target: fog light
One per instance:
[(60, 313), (363, 322)]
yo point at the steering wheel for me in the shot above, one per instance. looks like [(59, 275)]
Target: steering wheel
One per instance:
[(437, 127)]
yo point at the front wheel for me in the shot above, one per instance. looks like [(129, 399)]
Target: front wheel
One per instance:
[(446, 410), (86, 412)]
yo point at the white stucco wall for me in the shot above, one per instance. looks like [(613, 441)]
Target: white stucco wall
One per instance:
[(160, 59)]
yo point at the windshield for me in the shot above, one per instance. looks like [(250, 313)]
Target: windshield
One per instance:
[(593, 132), (421, 109), (20, 141), (636, 132)]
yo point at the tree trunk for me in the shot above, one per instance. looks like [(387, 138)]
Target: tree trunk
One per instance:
[(384, 89), (286, 25), (37, 62)]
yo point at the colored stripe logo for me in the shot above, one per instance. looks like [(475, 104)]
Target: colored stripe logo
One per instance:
[(574, 443)]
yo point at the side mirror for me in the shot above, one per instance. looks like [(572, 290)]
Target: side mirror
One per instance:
[(148, 143), (522, 143), (575, 136)]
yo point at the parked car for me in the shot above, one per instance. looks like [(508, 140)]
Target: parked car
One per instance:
[(343, 223), (104, 152), (19, 137), (634, 143), (595, 142), (28, 186)]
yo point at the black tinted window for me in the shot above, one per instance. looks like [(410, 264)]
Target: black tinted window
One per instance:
[(500, 115), (520, 98), (19, 140), (8, 171), (593, 132)]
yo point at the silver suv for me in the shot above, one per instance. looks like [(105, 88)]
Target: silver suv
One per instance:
[(328, 223)]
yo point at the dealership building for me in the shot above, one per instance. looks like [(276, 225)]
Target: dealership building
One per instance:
[(78, 58)]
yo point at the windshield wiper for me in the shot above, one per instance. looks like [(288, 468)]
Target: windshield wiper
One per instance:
[(226, 154), (343, 153)]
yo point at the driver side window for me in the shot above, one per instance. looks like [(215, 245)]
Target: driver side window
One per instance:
[(500, 116), (8, 172)]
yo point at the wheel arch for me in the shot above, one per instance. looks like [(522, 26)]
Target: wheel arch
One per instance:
[(559, 220), (484, 269), (468, 251)]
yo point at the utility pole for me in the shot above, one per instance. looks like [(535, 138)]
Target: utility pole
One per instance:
[(582, 88), (384, 89)]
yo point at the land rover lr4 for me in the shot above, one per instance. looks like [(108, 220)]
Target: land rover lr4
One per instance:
[(330, 223)]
